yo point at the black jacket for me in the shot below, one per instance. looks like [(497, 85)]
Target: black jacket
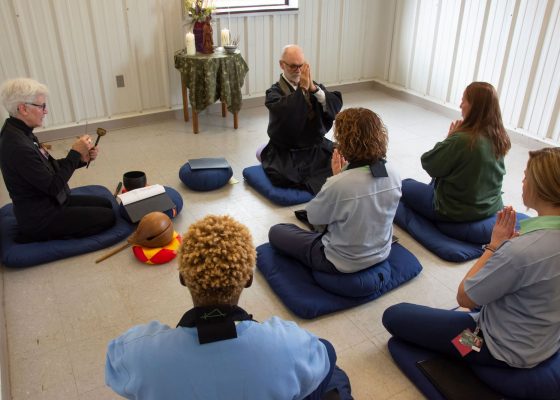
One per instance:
[(37, 184), (298, 155)]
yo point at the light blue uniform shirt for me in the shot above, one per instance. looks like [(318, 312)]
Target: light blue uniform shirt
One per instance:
[(359, 210), (271, 360), (519, 289)]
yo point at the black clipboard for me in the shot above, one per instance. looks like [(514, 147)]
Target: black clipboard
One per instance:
[(208, 163), (161, 202)]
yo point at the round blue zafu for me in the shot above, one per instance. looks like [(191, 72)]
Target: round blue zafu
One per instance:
[(203, 180), (172, 213), (357, 284)]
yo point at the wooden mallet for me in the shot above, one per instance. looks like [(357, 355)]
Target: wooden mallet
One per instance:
[(100, 132)]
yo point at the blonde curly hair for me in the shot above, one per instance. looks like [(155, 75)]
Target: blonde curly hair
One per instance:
[(216, 258)]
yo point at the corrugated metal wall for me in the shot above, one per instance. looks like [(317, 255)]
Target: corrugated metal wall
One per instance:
[(78, 47), (432, 48), (440, 46)]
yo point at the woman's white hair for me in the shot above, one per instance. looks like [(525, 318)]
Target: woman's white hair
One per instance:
[(20, 90)]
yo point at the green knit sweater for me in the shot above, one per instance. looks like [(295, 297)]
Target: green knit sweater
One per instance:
[(468, 181)]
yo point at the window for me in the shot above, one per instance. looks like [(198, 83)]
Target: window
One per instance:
[(243, 6)]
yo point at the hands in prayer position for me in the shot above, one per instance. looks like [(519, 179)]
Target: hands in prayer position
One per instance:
[(337, 162), (305, 81), (504, 228), (454, 125)]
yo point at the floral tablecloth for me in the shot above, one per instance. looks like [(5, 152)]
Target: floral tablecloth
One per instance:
[(212, 77)]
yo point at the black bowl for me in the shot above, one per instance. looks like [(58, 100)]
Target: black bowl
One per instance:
[(134, 180)]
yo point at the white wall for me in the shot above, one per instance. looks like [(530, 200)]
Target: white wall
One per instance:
[(431, 48), (439, 46), (77, 47)]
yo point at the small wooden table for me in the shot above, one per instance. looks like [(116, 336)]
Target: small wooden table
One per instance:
[(209, 78)]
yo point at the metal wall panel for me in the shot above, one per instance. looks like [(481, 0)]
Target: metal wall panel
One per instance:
[(350, 42), (41, 46), (148, 51), (79, 47), (402, 52), (330, 26), (444, 50), (80, 58), (544, 102), (259, 50), (495, 46), (376, 36), (422, 60), (521, 61), (431, 48), (172, 24), (12, 60), (471, 17), (513, 44)]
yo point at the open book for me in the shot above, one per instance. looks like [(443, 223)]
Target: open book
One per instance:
[(139, 202)]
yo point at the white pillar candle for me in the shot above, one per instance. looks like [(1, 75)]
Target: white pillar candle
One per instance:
[(225, 37), (189, 44)]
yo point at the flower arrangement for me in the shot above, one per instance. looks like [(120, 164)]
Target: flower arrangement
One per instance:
[(198, 10)]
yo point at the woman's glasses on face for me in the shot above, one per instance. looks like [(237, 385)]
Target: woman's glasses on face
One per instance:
[(43, 106)]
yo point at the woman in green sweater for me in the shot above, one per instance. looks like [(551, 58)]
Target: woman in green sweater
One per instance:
[(467, 168)]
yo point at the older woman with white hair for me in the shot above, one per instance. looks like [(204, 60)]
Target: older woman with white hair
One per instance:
[(38, 183)]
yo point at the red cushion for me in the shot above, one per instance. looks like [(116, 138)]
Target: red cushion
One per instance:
[(158, 255)]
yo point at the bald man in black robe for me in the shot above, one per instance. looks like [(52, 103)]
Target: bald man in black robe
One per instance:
[(301, 112)]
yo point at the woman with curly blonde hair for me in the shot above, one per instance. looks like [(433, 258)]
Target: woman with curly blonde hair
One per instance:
[(216, 260), (217, 350), (356, 205)]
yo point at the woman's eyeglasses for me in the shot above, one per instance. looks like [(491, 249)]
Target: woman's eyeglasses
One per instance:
[(43, 106)]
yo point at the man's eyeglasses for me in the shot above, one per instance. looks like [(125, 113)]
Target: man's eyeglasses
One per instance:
[(43, 106), (293, 67)]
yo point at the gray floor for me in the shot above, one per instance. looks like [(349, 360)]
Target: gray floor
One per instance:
[(61, 315)]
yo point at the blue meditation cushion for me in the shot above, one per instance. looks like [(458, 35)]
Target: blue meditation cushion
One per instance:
[(257, 179), (406, 356), (537, 383), (172, 213), (451, 241), (18, 255), (203, 180), (176, 199), (305, 296), (357, 284)]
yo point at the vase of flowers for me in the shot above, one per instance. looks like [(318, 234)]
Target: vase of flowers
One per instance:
[(198, 13)]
